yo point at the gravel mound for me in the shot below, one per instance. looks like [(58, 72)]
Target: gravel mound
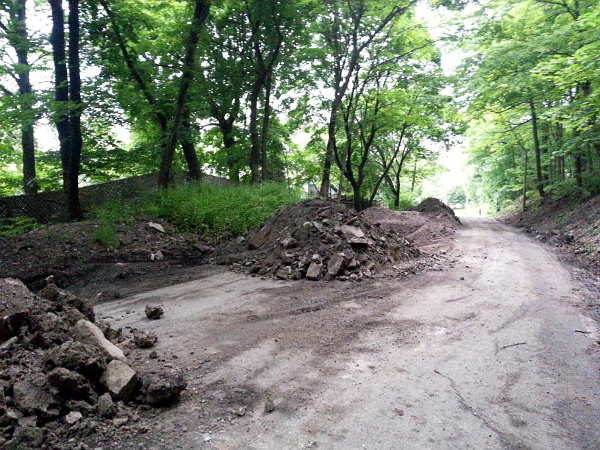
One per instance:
[(317, 239)]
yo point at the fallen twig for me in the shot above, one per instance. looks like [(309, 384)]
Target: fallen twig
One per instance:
[(582, 331), (513, 345)]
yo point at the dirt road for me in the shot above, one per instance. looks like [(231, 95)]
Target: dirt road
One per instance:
[(491, 354)]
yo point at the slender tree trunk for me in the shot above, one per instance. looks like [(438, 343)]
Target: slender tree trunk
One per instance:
[(61, 83), (264, 139), (76, 140), (536, 147), (189, 151), (526, 168), (579, 170), (21, 46), (200, 14), (255, 152)]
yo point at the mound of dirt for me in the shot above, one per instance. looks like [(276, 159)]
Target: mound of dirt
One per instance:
[(60, 377), (317, 239), (421, 229), (438, 209)]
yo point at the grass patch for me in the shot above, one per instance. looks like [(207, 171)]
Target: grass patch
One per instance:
[(221, 210), (213, 209), (17, 226)]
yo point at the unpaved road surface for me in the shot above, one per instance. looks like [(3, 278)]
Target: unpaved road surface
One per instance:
[(493, 353)]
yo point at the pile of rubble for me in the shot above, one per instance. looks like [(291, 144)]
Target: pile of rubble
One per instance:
[(438, 209), (317, 239), (60, 375)]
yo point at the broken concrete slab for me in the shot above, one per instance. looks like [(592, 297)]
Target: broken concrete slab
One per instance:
[(314, 271), (160, 388), (120, 380), (88, 333)]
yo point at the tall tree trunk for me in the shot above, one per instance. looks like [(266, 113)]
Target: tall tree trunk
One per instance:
[(254, 136), (189, 151), (76, 141), (264, 139), (201, 9), (536, 147), (21, 46), (61, 83)]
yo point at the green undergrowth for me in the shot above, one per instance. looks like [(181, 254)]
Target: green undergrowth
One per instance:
[(221, 210), (212, 209), (17, 226)]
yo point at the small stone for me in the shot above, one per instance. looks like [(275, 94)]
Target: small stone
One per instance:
[(154, 312), (158, 256), (144, 340), (156, 226), (153, 354), (269, 405), (289, 242), (106, 407), (73, 417)]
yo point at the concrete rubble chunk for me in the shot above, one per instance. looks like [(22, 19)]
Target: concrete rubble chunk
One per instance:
[(35, 397), (154, 312), (120, 380), (289, 242), (335, 265), (70, 384), (351, 231), (141, 339), (284, 273), (15, 301), (314, 271), (88, 333), (106, 406), (160, 388), (73, 417), (156, 226)]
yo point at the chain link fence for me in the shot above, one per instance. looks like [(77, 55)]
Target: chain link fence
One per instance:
[(49, 207)]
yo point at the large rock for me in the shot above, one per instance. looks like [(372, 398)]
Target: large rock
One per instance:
[(88, 333), (36, 397), (71, 385), (15, 303), (106, 406), (314, 271), (120, 380), (159, 388), (335, 265), (83, 358), (63, 300)]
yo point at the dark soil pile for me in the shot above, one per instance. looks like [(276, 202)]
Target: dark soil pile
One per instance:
[(437, 209), (60, 377), (317, 239)]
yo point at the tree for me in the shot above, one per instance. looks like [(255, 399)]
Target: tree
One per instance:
[(347, 29), (67, 83), (13, 27)]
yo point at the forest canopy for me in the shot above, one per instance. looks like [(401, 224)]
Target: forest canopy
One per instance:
[(348, 96)]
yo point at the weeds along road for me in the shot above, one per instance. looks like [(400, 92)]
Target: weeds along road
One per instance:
[(490, 354)]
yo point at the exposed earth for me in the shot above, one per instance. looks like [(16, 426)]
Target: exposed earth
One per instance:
[(430, 334)]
